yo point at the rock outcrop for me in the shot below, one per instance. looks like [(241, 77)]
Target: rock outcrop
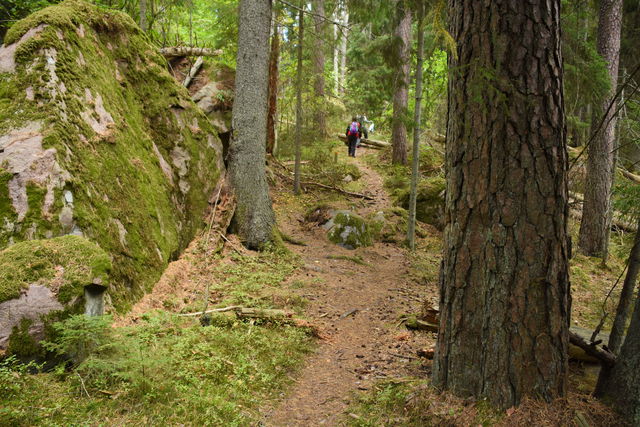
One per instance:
[(97, 140)]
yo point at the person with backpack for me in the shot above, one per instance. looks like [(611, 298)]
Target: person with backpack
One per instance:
[(354, 133)]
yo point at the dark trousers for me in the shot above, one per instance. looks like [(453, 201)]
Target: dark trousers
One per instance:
[(352, 146)]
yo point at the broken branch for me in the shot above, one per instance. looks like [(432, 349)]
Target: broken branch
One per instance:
[(178, 51), (604, 356)]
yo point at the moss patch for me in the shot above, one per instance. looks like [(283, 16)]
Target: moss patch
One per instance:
[(349, 230), (69, 263), (429, 201)]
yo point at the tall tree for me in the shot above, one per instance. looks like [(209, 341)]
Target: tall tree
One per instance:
[(596, 212), (296, 175), (254, 218), (504, 291), (402, 50), (415, 173), (621, 386), (143, 15), (274, 62), (318, 67)]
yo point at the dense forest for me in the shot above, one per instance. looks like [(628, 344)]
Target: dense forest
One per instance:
[(322, 212)]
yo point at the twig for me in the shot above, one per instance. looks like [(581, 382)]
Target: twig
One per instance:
[(83, 386), (213, 310)]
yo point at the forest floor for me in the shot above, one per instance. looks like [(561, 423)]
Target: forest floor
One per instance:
[(358, 306)]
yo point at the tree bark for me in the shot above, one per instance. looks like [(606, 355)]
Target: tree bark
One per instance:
[(274, 61), (143, 15), (415, 173), (254, 218), (596, 219), (622, 386), (320, 116), (504, 297), (296, 168), (626, 296), (336, 52), (343, 48), (401, 84)]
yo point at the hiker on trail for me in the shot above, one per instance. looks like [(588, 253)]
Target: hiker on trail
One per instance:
[(354, 133)]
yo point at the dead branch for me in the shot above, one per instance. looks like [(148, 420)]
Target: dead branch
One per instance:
[(193, 71), (179, 51), (604, 356), (326, 187)]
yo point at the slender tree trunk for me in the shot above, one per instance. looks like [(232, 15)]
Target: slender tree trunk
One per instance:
[(626, 296), (596, 219), (336, 53), (143, 15), (401, 84), (343, 48), (622, 386), (254, 218), (415, 173), (274, 59), (296, 175), (318, 68), (504, 296)]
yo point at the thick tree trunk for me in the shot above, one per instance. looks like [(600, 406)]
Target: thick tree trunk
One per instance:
[(622, 386), (318, 68), (415, 173), (401, 84), (296, 168), (274, 60), (626, 296), (596, 219), (504, 285), (254, 219), (143, 15)]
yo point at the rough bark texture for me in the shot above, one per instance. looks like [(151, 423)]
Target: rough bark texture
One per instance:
[(596, 218), (626, 296), (274, 60), (343, 47), (254, 219), (504, 284), (622, 387), (319, 22), (401, 84), (296, 168), (415, 173)]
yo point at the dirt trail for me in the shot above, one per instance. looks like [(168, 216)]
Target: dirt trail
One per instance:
[(358, 307)]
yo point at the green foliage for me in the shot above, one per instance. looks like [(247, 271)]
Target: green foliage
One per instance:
[(12, 377), (69, 262), (165, 370), (78, 336), (627, 199)]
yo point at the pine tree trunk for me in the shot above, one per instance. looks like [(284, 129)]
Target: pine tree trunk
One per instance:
[(343, 48), (296, 175), (415, 173), (143, 15), (622, 386), (336, 53), (596, 219), (626, 296), (274, 59), (504, 297), (401, 84), (318, 68), (254, 218)]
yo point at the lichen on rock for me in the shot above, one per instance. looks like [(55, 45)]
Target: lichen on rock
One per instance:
[(348, 230), (99, 140)]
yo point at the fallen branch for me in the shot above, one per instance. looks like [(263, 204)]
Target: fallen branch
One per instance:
[(213, 310), (604, 356), (366, 141), (326, 187), (178, 51), (193, 71)]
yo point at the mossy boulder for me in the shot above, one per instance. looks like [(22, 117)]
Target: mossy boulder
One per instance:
[(38, 277), (98, 140), (348, 230), (429, 201)]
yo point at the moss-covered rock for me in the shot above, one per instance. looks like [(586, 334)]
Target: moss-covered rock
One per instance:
[(348, 230), (429, 201), (99, 140)]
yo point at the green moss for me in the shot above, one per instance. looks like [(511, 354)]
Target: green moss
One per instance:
[(68, 262), (116, 179), (429, 201), (350, 231), (21, 343)]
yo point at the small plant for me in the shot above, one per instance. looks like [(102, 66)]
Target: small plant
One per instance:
[(78, 336)]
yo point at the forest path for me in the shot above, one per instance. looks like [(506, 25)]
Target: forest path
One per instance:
[(358, 308)]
